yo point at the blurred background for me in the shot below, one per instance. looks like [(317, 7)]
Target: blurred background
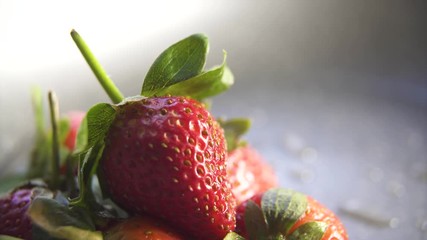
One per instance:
[(337, 90)]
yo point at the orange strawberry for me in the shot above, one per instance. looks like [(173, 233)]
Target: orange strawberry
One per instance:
[(144, 228), (286, 213)]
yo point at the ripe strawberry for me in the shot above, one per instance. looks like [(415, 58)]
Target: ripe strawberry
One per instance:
[(145, 228), (317, 212), (14, 220), (75, 118), (313, 212), (166, 156), (248, 173)]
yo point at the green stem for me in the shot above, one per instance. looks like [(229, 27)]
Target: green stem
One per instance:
[(108, 85), (54, 116)]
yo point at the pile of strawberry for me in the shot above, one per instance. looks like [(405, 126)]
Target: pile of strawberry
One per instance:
[(157, 166)]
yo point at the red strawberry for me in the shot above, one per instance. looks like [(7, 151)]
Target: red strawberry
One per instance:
[(75, 118), (317, 212), (313, 212), (14, 220), (248, 173), (166, 156), (142, 228)]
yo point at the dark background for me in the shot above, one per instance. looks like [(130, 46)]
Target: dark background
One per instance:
[(337, 90)]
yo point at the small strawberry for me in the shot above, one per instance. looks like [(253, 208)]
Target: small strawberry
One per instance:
[(247, 171), (161, 153), (289, 214), (144, 228), (166, 156), (74, 118), (14, 220)]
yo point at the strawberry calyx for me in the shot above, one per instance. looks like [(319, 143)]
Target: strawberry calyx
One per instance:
[(276, 214)]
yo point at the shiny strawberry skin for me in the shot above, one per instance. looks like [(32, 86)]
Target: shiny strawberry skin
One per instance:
[(144, 228), (249, 173), (165, 156), (317, 212), (13, 218), (314, 212)]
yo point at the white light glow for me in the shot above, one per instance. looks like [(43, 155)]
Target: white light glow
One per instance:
[(35, 34)]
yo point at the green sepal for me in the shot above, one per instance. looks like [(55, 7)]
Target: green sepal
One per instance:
[(282, 208), (309, 231), (62, 222), (255, 222), (87, 170), (183, 60), (204, 85), (233, 236), (94, 126), (233, 130)]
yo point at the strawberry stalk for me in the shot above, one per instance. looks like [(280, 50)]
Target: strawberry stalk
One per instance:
[(54, 116), (113, 92)]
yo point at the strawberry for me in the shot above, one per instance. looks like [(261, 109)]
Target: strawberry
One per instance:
[(249, 173), (142, 228), (160, 153), (166, 156), (14, 220), (296, 215), (75, 118)]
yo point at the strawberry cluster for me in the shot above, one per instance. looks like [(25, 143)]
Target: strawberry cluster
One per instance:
[(159, 165)]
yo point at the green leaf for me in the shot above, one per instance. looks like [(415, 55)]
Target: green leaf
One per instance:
[(181, 61), (309, 231), (233, 236), (233, 130), (88, 169), (282, 208), (4, 237), (255, 223), (61, 221), (207, 84), (94, 126)]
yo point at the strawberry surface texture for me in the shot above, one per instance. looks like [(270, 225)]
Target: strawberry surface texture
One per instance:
[(249, 173), (13, 214), (165, 156)]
